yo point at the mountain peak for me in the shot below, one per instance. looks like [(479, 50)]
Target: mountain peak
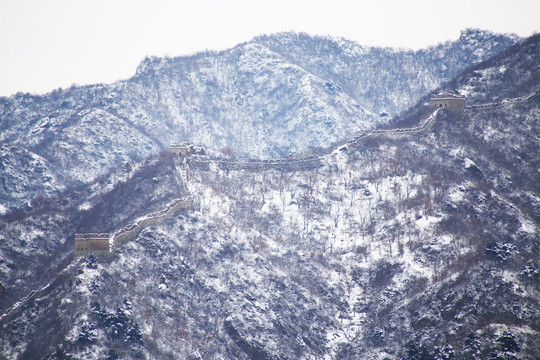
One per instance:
[(474, 35), (146, 64)]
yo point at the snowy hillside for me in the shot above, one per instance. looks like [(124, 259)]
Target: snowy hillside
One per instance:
[(387, 80), (274, 96), (419, 241)]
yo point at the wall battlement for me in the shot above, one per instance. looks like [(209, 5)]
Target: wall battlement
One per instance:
[(98, 244), (130, 232)]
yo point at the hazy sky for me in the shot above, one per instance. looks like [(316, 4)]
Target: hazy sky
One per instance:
[(49, 44)]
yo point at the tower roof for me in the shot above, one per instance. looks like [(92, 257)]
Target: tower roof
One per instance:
[(447, 95)]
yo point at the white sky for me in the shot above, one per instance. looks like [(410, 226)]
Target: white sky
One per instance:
[(46, 44)]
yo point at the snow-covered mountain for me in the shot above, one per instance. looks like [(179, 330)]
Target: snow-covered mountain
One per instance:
[(416, 242), (276, 95)]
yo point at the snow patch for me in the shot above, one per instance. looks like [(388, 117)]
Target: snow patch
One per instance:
[(85, 206), (527, 226), (426, 222), (469, 163)]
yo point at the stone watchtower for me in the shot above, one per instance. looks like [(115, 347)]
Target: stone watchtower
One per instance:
[(452, 102), (185, 149), (180, 150), (92, 243)]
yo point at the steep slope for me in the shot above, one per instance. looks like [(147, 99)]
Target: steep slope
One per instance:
[(37, 242), (387, 80), (274, 96), (249, 98), (415, 244)]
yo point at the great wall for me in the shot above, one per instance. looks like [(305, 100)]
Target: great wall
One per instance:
[(195, 156), (104, 245), (131, 231)]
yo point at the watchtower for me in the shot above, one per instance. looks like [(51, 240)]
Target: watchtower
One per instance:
[(185, 149), (180, 150), (452, 102), (92, 243)]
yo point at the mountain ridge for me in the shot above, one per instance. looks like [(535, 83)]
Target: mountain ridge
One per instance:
[(207, 98)]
